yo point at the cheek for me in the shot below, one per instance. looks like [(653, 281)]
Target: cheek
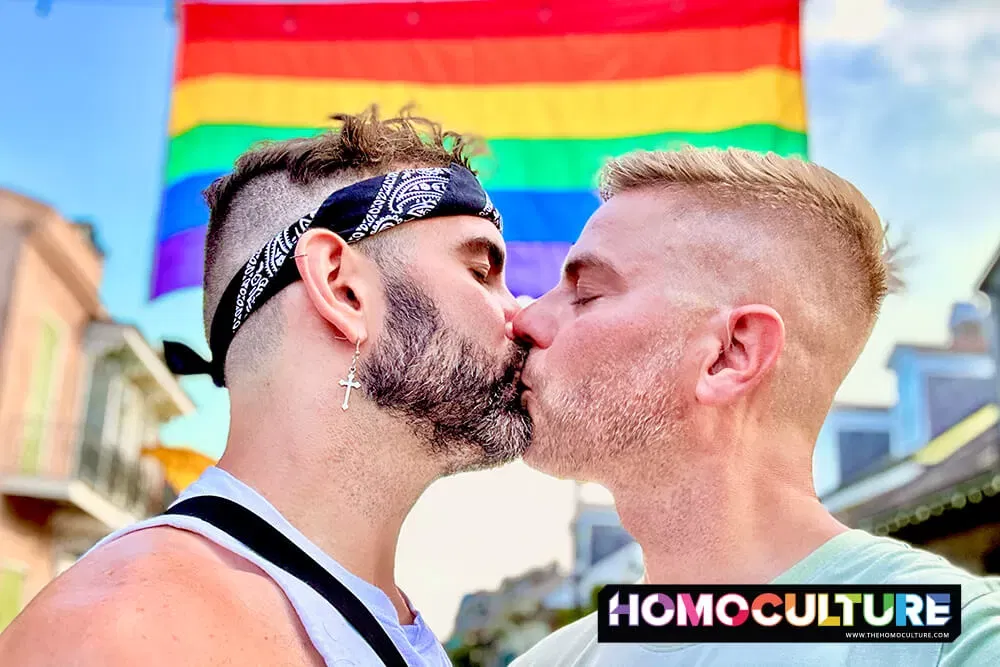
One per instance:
[(580, 351), (480, 316), (600, 348)]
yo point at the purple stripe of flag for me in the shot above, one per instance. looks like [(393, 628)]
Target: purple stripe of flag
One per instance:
[(179, 261), (532, 267)]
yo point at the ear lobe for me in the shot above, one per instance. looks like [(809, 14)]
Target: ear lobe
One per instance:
[(331, 279), (750, 346)]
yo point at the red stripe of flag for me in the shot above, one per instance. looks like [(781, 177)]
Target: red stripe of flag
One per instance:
[(461, 19)]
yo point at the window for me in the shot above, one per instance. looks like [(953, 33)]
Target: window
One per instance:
[(950, 400), (859, 450), (605, 540), (40, 393), (11, 590)]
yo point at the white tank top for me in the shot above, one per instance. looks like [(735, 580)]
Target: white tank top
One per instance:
[(331, 635)]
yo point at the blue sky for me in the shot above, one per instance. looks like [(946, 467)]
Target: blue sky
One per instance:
[(902, 100), (84, 130), (899, 100)]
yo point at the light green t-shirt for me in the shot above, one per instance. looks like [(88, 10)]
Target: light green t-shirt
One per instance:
[(853, 557)]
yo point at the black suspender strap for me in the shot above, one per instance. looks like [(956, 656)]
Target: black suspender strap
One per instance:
[(270, 544)]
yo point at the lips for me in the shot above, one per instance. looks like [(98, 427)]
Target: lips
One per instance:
[(524, 381)]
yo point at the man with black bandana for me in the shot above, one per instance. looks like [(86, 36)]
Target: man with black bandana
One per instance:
[(356, 308)]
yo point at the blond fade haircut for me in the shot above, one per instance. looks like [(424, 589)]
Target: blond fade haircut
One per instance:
[(774, 181), (793, 234)]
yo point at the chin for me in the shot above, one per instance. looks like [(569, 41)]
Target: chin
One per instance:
[(531, 454), (544, 457)]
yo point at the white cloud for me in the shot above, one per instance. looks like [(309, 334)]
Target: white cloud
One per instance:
[(986, 92), (848, 22), (941, 46), (525, 300), (986, 144), (946, 44)]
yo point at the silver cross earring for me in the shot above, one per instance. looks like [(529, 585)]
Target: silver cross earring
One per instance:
[(350, 382)]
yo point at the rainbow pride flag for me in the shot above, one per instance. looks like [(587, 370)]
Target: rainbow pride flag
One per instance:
[(556, 87)]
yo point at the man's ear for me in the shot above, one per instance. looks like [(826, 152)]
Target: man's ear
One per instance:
[(748, 348), (333, 278)]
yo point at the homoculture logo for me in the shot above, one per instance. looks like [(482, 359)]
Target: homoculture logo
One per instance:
[(647, 613)]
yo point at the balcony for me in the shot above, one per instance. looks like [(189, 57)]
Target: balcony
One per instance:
[(66, 465)]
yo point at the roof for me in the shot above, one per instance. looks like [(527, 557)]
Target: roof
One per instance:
[(861, 407), (991, 276), (950, 400), (959, 457)]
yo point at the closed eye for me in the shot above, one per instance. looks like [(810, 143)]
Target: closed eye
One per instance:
[(583, 301), (483, 256)]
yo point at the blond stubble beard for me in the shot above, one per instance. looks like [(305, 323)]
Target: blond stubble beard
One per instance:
[(613, 424)]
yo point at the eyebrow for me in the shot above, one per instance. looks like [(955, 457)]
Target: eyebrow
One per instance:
[(589, 261), (483, 245)]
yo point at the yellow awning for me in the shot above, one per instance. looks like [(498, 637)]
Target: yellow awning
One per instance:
[(959, 435), (181, 466)]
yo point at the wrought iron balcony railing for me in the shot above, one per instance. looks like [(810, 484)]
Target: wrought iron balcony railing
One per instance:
[(52, 452)]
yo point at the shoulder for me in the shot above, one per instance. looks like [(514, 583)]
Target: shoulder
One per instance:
[(155, 597), (563, 646), (887, 561), (912, 565), (979, 641), (878, 560)]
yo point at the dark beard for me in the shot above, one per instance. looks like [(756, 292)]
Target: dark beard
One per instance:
[(449, 390)]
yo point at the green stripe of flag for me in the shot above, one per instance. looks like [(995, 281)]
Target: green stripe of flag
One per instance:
[(513, 164)]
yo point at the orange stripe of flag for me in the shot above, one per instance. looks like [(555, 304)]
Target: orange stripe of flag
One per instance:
[(505, 60)]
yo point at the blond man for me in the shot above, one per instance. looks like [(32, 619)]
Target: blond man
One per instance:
[(687, 360)]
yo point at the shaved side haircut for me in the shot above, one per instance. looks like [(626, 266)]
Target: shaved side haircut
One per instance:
[(275, 183)]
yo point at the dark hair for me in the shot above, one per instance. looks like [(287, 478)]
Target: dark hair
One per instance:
[(364, 146), (270, 185)]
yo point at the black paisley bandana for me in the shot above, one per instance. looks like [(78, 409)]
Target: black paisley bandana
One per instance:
[(355, 212)]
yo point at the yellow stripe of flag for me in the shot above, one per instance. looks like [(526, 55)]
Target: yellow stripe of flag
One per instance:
[(699, 103)]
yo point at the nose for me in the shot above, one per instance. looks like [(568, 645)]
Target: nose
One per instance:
[(510, 306), (533, 326)]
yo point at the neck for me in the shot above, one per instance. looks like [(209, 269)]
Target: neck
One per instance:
[(727, 519), (345, 479)]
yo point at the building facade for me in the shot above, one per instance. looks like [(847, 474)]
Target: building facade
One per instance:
[(80, 397), (497, 626), (603, 551), (925, 470), (505, 623)]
